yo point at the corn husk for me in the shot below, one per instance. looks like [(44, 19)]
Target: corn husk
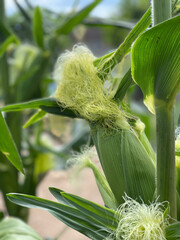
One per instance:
[(127, 165)]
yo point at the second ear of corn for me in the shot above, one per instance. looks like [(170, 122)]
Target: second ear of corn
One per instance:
[(127, 165)]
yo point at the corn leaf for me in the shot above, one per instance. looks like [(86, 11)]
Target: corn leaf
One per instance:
[(48, 105), (67, 214), (36, 117), (13, 228), (7, 42), (101, 214), (101, 181), (44, 162), (98, 22), (8, 183), (38, 28), (70, 23), (7, 145), (124, 85), (106, 63), (5, 32), (156, 63), (173, 231)]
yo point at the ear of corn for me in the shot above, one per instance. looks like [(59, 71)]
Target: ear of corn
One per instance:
[(125, 160), (126, 164)]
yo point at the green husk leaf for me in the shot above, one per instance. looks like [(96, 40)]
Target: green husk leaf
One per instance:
[(173, 231), (8, 147), (156, 63), (126, 164), (103, 186)]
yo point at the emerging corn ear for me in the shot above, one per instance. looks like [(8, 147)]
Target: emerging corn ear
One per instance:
[(81, 89), (126, 160), (127, 165)]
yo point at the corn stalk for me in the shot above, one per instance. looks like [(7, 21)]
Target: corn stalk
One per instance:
[(166, 169)]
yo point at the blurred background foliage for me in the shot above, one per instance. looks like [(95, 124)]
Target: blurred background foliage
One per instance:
[(30, 41)]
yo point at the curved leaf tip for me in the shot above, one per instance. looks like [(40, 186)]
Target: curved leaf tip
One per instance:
[(156, 63)]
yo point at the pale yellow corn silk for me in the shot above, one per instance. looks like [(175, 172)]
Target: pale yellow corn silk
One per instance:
[(82, 159), (81, 90), (138, 221)]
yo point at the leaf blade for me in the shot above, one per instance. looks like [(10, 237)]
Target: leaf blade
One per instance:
[(36, 117), (77, 18), (38, 28), (90, 208), (7, 42), (49, 105), (156, 62), (7, 145), (106, 63), (67, 214)]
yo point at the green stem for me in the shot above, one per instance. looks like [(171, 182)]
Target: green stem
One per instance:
[(161, 11), (166, 170)]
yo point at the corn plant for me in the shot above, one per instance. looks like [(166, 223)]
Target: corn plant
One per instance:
[(140, 189), (24, 74)]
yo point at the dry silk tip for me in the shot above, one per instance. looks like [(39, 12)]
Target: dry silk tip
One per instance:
[(140, 221), (81, 90)]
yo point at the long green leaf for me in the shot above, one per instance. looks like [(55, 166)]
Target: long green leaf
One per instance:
[(98, 22), (106, 63), (8, 183), (66, 27), (125, 83), (5, 32), (7, 145), (49, 105), (67, 214), (13, 228), (36, 117), (38, 28), (156, 62), (7, 42), (102, 214), (173, 231)]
